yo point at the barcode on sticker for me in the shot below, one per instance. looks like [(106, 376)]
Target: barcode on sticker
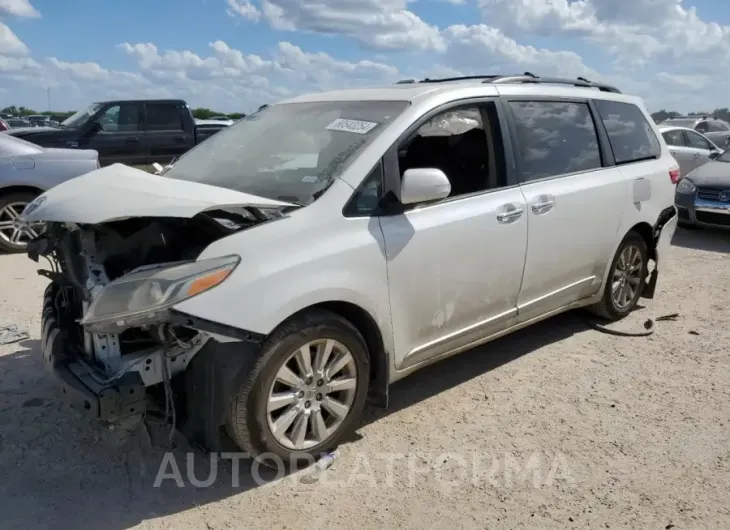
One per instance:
[(353, 126)]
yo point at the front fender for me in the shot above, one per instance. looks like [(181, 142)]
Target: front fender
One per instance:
[(284, 276)]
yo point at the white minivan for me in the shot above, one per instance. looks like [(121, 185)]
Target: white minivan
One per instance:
[(300, 261)]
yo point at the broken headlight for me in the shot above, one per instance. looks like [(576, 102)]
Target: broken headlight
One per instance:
[(144, 297)]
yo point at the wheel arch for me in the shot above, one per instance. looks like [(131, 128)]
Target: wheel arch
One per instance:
[(368, 327), (646, 231), (8, 190)]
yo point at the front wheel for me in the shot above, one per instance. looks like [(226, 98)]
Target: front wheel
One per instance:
[(12, 205), (626, 279), (306, 391)]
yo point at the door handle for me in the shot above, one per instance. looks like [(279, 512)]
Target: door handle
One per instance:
[(178, 138), (697, 155), (543, 206), (132, 140), (509, 216)]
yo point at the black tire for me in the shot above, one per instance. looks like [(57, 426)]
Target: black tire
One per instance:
[(247, 417), (20, 197), (607, 308)]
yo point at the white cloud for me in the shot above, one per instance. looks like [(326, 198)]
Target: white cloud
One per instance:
[(377, 24), (18, 8), (10, 44), (243, 8)]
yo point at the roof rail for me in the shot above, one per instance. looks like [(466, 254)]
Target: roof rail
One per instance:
[(527, 77)]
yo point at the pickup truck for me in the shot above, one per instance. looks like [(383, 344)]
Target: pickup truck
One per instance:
[(137, 133)]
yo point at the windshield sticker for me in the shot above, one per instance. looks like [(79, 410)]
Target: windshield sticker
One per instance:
[(353, 126), (309, 178)]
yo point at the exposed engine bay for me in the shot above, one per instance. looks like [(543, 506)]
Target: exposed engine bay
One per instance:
[(86, 258)]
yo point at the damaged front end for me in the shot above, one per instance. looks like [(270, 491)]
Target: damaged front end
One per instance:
[(108, 329)]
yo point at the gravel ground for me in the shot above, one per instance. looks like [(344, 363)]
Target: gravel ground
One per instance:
[(558, 426)]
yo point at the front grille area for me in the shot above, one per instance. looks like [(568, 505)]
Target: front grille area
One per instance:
[(713, 218), (708, 194)]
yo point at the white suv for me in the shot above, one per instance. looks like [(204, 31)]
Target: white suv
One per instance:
[(302, 260)]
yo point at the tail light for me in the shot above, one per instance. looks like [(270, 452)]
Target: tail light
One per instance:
[(674, 175)]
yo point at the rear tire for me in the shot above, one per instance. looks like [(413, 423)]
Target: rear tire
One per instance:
[(307, 425), (626, 279), (9, 206)]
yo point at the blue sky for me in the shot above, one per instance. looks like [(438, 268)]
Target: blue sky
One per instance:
[(234, 55)]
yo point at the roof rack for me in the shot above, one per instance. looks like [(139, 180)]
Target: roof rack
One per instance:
[(525, 78)]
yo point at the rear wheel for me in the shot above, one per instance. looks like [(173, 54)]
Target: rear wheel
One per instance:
[(12, 205), (626, 279), (305, 393)]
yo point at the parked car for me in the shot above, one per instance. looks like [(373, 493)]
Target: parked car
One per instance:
[(224, 119), (689, 148), (703, 196), (16, 123), (26, 171), (3, 125), (419, 221), (134, 132), (717, 130)]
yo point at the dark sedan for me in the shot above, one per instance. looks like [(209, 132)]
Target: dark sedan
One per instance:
[(703, 196)]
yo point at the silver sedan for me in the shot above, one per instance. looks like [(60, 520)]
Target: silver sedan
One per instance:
[(26, 171)]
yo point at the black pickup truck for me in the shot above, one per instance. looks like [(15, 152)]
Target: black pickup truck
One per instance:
[(138, 133)]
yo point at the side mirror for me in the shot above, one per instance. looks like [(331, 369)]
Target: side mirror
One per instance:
[(424, 184), (714, 154)]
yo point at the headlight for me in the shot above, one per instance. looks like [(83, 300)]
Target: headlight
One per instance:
[(144, 297), (686, 186)]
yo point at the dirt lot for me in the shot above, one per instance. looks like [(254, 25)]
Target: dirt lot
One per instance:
[(555, 427)]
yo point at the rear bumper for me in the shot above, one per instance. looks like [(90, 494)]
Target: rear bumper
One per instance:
[(115, 401)]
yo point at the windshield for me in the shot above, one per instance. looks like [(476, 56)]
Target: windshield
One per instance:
[(288, 152), (80, 117), (724, 157)]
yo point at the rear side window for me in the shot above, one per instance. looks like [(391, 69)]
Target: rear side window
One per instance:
[(632, 138), (163, 117), (675, 138), (554, 138)]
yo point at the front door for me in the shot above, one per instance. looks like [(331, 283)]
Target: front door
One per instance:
[(119, 137), (574, 204), (699, 147), (455, 267)]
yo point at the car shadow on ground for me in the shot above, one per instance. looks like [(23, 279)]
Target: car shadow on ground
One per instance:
[(62, 471), (707, 239)]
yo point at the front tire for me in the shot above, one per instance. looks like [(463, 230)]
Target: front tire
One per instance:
[(305, 393), (626, 279), (11, 206)]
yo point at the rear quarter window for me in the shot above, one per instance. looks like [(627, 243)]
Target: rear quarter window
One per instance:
[(632, 137)]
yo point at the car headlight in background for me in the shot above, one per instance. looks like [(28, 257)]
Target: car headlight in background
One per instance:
[(144, 297), (686, 186)]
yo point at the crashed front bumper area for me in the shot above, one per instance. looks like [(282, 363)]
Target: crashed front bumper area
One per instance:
[(97, 396)]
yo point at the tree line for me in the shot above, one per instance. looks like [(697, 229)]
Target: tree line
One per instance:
[(199, 113), (721, 114)]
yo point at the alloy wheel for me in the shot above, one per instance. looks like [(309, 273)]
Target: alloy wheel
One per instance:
[(8, 231), (627, 277), (312, 394)]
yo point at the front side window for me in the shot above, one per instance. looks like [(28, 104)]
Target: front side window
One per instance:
[(124, 117), (289, 152), (632, 138), (554, 138), (697, 141), (702, 126), (465, 143)]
